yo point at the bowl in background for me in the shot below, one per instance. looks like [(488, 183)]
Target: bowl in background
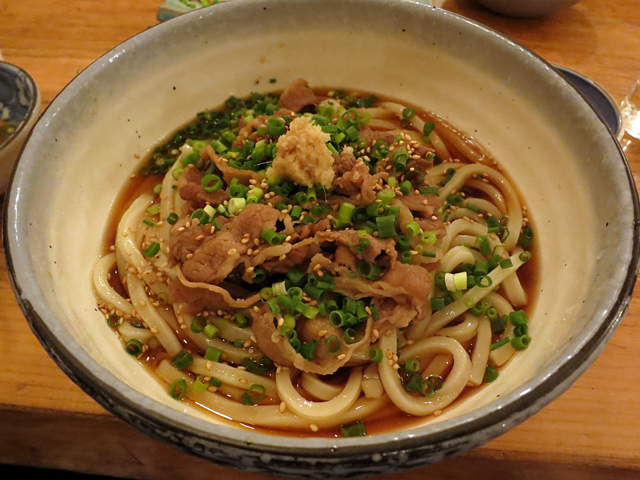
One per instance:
[(19, 107), (597, 97), (551, 143), (526, 8)]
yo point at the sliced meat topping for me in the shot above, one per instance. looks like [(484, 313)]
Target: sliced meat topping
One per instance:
[(190, 189), (221, 252), (297, 95)]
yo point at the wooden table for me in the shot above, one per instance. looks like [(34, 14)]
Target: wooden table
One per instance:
[(592, 431)]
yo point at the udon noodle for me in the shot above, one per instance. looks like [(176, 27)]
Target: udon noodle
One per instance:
[(305, 261)]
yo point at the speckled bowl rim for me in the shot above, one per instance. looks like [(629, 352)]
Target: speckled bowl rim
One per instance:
[(32, 105), (402, 449)]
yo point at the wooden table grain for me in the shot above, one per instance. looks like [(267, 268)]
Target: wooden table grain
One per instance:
[(592, 431)]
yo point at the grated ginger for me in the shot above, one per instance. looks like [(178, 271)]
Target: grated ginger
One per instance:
[(303, 156)]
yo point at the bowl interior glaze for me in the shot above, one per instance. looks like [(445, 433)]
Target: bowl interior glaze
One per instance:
[(566, 164)]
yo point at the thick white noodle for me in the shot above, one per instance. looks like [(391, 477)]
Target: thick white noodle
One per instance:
[(230, 331), (480, 351), (103, 288), (371, 384), (464, 331), (129, 332), (229, 375), (418, 124), (319, 389), (439, 366), (513, 204), (380, 124), (142, 303), (456, 256), (319, 410), (452, 387), (484, 205), (500, 355), (492, 192), (461, 226)]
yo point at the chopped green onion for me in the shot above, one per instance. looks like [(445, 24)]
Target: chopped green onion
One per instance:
[(153, 210), (214, 382), (520, 330), (133, 347), (386, 226), (172, 218), (484, 281), (314, 292), (428, 238), (350, 335), (403, 243), (275, 127), (213, 354), (408, 113), (211, 330), (113, 320), (345, 213), (499, 343), (376, 355), (199, 385), (524, 256), (429, 190), (198, 323), (368, 270), (400, 160), (405, 187), (525, 240), (412, 365), (413, 228), (520, 343), (456, 281), (406, 257), (182, 360), (249, 399), (236, 204), (353, 429), (178, 389), (437, 303), (272, 238), (211, 183), (152, 250), (266, 294), (490, 374), (386, 195), (518, 318), (455, 200), (295, 276), (428, 128), (333, 344), (254, 195), (506, 263)]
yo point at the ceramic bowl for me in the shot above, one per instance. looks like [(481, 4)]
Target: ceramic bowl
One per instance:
[(19, 105), (567, 165), (526, 8)]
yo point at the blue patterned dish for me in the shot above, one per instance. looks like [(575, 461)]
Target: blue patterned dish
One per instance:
[(19, 105)]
